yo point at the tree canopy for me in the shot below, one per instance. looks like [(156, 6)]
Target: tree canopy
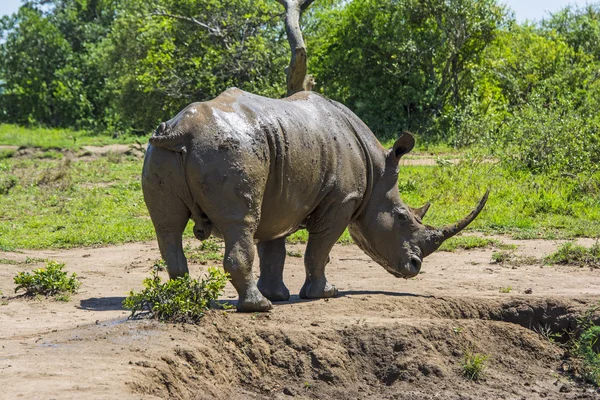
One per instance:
[(461, 72)]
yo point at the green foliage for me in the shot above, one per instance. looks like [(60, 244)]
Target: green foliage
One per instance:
[(128, 64), (572, 254), (584, 357), (419, 56), (473, 365), (505, 289), (177, 300), (535, 104), (587, 350), (49, 281), (578, 26)]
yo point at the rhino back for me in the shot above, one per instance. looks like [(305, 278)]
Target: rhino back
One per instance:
[(296, 156)]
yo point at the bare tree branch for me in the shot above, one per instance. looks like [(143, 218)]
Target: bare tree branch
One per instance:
[(216, 31), (296, 72)]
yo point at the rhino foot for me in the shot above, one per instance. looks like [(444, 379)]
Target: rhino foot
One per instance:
[(253, 302), (318, 290), (274, 291)]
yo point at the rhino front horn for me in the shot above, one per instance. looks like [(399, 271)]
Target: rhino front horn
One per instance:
[(435, 237)]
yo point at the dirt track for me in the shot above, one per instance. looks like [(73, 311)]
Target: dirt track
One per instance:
[(382, 338)]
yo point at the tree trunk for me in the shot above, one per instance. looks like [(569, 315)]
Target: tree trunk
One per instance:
[(296, 72)]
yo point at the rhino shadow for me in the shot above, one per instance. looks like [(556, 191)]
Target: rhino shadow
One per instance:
[(294, 298), (102, 304), (344, 293)]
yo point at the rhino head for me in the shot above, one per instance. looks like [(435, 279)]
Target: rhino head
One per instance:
[(392, 233)]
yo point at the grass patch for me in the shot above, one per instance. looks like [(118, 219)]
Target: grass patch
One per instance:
[(572, 254), (472, 242), (177, 300), (49, 281), (52, 203), (473, 365), (520, 204), (500, 257), (45, 138), (63, 204), (506, 289), (301, 236), (208, 250)]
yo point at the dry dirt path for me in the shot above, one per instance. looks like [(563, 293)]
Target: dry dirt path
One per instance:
[(381, 338)]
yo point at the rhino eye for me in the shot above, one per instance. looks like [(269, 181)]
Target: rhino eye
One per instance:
[(402, 215)]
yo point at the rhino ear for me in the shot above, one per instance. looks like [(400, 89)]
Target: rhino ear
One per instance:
[(403, 145)]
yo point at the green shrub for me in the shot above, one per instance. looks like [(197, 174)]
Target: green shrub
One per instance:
[(177, 300), (572, 254), (473, 365), (587, 351), (49, 281)]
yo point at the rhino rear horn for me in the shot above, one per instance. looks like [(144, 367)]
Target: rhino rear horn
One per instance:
[(421, 211)]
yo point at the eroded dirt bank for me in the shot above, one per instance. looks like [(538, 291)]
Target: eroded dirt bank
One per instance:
[(382, 338)]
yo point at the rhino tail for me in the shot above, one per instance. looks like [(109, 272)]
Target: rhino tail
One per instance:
[(167, 139)]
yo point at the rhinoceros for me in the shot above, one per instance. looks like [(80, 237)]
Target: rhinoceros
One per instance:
[(251, 169)]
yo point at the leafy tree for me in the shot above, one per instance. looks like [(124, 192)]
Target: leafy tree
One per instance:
[(534, 104), (578, 26), (402, 64), (164, 55)]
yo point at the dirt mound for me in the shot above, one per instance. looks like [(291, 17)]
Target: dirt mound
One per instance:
[(411, 359)]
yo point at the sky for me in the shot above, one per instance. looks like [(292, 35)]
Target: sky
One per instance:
[(524, 9)]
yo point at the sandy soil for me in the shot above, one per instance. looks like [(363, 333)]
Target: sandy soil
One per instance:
[(381, 338)]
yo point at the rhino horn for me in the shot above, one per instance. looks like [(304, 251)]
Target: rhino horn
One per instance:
[(421, 211), (434, 237)]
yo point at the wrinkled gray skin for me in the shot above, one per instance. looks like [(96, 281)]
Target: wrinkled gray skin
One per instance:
[(252, 169)]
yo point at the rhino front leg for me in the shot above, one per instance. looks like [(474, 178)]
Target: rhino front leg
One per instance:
[(272, 260), (316, 258), (239, 256)]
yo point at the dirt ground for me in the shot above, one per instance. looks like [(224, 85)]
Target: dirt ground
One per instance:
[(382, 338)]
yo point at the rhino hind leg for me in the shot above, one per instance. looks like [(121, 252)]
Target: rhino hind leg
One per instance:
[(316, 258), (239, 256), (169, 226), (272, 261)]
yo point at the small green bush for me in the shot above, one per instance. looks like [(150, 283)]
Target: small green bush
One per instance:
[(49, 281), (572, 254), (590, 359), (473, 365), (177, 300), (7, 182)]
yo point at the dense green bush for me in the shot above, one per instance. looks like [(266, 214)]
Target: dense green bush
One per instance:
[(177, 300), (535, 104), (126, 65), (402, 64)]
